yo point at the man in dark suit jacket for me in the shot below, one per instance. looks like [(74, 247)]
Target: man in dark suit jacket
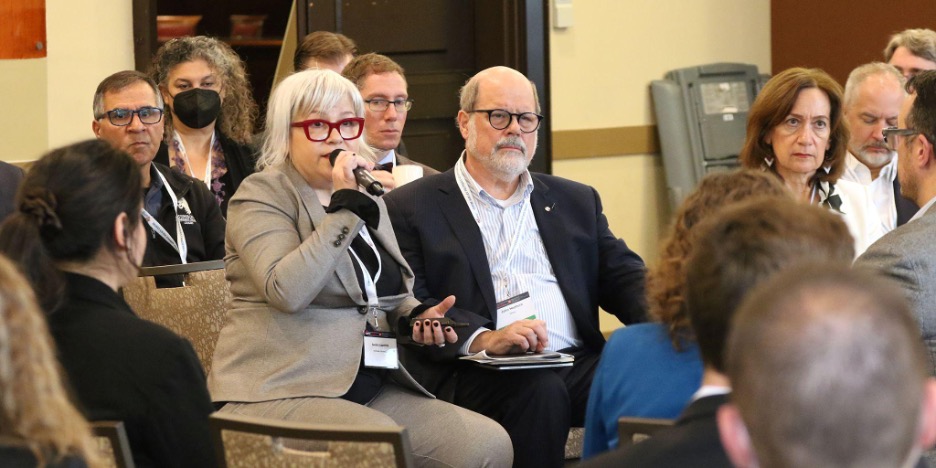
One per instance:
[(737, 249), (387, 103), (10, 178), (538, 235)]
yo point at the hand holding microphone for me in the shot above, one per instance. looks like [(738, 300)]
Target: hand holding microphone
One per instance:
[(363, 177)]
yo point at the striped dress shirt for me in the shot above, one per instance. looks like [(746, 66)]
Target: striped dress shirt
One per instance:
[(517, 256)]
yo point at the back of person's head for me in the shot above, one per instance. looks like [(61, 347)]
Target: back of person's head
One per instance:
[(365, 65), (919, 42), (238, 108), (666, 280), (773, 105), (297, 96), (117, 82), (66, 208), (323, 47), (922, 115), (828, 369), (34, 406), (742, 246)]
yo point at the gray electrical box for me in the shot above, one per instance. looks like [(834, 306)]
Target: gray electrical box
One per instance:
[(701, 114)]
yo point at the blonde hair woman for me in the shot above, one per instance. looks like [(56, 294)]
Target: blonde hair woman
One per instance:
[(38, 424)]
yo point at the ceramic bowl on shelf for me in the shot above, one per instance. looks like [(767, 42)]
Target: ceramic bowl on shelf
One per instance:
[(172, 26), (247, 26)]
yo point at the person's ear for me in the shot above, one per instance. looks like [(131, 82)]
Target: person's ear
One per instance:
[(96, 128), (122, 231), (924, 151), (734, 437), (463, 123), (927, 436)]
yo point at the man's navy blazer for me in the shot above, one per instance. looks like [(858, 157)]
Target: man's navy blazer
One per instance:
[(443, 245)]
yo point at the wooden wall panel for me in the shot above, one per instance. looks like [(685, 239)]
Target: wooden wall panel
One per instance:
[(839, 35), (22, 29)]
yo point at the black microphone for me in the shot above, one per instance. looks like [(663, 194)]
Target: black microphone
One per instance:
[(364, 178)]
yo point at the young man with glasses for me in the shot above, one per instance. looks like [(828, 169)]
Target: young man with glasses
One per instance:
[(906, 254), (529, 258), (182, 218), (383, 86)]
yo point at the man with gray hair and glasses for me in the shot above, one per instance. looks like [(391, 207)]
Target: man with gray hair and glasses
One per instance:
[(530, 258), (873, 94), (906, 254), (912, 51), (182, 218)]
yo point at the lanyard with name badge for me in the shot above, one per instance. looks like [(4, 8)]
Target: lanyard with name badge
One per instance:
[(519, 307), (380, 347), (180, 245)]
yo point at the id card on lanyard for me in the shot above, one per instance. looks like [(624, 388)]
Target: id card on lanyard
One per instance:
[(179, 243), (380, 347)]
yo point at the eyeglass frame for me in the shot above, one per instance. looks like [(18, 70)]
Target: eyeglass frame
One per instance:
[(896, 132), (489, 112), (406, 103), (304, 125), (133, 112)]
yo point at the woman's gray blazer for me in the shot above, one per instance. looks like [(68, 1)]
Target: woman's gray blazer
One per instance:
[(295, 327)]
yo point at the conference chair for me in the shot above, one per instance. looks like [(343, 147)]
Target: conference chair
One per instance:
[(633, 430), (195, 311), (112, 443), (242, 442)]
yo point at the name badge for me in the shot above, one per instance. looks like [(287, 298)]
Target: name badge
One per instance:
[(519, 307), (380, 350)]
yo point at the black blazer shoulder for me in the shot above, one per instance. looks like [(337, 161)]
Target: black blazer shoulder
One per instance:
[(123, 368)]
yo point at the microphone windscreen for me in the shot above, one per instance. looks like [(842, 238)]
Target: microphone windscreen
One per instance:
[(334, 155)]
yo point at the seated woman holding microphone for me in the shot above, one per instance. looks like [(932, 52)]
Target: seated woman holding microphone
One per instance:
[(319, 286)]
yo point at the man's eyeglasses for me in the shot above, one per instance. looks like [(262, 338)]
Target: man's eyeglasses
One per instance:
[(891, 133), (500, 119), (381, 105), (319, 130), (123, 117)]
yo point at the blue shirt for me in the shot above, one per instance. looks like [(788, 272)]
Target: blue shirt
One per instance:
[(639, 375)]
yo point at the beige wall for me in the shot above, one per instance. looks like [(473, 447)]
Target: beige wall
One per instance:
[(47, 102), (601, 68)]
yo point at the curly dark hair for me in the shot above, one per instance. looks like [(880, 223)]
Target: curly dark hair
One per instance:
[(666, 280), (239, 110)]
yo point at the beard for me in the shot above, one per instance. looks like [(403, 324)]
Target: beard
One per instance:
[(506, 166), (874, 155)]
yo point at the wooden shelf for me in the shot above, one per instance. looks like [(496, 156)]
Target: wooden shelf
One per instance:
[(258, 42)]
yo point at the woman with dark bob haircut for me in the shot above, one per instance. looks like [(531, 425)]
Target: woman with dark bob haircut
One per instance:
[(795, 130), (77, 234)]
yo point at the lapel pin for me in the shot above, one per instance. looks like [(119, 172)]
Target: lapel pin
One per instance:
[(550, 207)]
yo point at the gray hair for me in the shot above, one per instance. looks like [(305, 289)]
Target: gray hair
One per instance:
[(827, 369), (860, 74), (298, 95), (920, 42), (117, 82)]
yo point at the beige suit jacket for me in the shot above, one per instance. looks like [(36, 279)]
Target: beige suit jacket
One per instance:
[(295, 327)]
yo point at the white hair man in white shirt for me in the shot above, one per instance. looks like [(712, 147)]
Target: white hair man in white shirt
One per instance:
[(873, 95)]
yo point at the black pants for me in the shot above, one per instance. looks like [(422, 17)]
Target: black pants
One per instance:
[(535, 406)]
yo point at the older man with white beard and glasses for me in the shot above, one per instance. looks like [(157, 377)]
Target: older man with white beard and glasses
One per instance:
[(530, 259), (873, 95)]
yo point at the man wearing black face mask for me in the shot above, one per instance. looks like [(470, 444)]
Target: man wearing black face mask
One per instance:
[(209, 114), (181, 217)]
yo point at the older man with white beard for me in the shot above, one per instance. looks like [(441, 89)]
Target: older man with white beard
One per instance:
[(873, 95), (530, 259)]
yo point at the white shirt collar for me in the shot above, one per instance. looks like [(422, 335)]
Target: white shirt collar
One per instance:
[(389, 158), (710, 390), (860, 173), (923, 209)]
